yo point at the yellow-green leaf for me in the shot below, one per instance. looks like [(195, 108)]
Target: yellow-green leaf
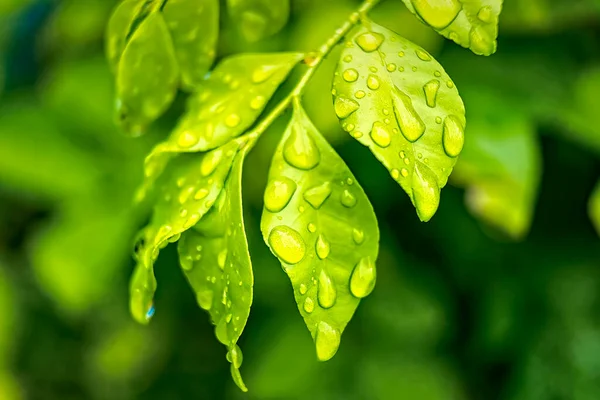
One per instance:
[(148, 75), (215, 259), (186, 192), (258, 19), (194, 27), (472, 24), (394, 98), (319, 223), (594, 207), (118, 28)]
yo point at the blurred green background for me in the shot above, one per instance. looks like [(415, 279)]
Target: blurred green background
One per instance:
[(498, 297)]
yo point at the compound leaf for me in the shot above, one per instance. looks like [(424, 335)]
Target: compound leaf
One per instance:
[(394, 98), (472, 24), (215, 259), (186, 192), (225, 106), (148, 75), (319, 223), (118, 29), (594, 207), (500, 165), (194, 27), (258, 19)]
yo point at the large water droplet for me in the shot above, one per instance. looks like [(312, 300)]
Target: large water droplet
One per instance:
[(348, 199), (381, 134), (481, 40), (303, 288), (326, 292), (235, 356), (373, 82), (210, 161), (327, 341), (278, 194), (453, 137), (204, 298), (426, 192), (411, 125), (363, 277), (287, 244), (317, 195), (258, 102), (440, 13), (322, 247), (350, 75), (232, 120), (431, 90), (300, 150), (344, 106), (187, 139), (369, 41), (309, 305)]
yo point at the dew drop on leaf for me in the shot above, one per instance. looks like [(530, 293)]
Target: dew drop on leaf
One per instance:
[(369, 41), (431, 90), (309, 305), (344, 106), (440, 13), (326, 291), (381, 134), (322, 247), (411, 125), (317, 195), (287, 244), (358, 236), (279, 193), (205, 298), (350, 75), (426, 192), (300, 150), (453, 136), (348, 199), (327, 341), (362, 280), (373, 82)]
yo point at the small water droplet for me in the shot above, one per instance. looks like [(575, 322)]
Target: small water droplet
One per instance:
[(232, 120), (369, 41), (317, 195), (438, 120), (362, 280), (228, 318), (373, 69), (422, 54), (258, 102), (358, 236), (453, 137), (395, 173), (278, 194), (300, 149), (327, 341), (350, 75), (411, 125), (359, 94), (263, 73), (222, 259), (201, 194), (303, 289), (381, 134), (287, 244), (322, 247), (210, 161), (309, 305), (438, 14), (348, 58), (450, 84), (401, 54), (373, 82), (312, 228), (185, 194), (431, 90), (344, 106), (437, 74), (348, 200), (326, 292), (186, 139), (425, 192), (404, 172), (391, 67)]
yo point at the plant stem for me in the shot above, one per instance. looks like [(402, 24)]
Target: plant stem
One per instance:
[(315, 61)]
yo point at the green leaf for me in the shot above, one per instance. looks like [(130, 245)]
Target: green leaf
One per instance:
[(393, 97), (118, 28), (594, 207), (189, 189), (148, 75), (500, 165), (215, 259), (225, 106), (194, 26), (472, 24), (258, 19), (319, 223)]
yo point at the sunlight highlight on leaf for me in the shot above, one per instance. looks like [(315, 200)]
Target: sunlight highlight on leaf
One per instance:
[(258, 19)]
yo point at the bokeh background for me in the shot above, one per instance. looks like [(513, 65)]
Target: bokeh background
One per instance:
[(498, 297)]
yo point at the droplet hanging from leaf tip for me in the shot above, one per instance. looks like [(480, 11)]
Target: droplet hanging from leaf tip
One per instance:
[(327, 341)]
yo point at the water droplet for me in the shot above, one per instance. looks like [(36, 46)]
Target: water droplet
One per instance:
[(359, 94), (438, 14), (381, 134), (401, 54), (348, 200), (358, 236), (437, 74), (438, 120), (263, 73), (151, 311), (235, 356), (228, 317), (221, 331), (369, 41), (357, 134), (362, 280), (309, 305), (232, 120), (485, 14), (350, 75), (404, 172), (425, 192), (222, 259), (402, 154), (201, 194), (326, 293), (395, 173), (204, 298), (300, 149), (186, 140), (322, 247), (278, 194), (303, 289), (258, 102), (411, 125), (391, 67), (327, 341), (185, 194), (210, 161), (481, 40), (453, 137), (348, 58), (450, 84), (431, 90), (344, 106), (373, 82), (191, 221), (312, 228), (317, 195), (287, 244), (373, 69), (423, 55), (348, 127)]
